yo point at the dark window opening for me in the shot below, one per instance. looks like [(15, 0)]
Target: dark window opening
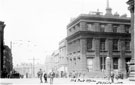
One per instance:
[(102, 44), (89, 44), (102, 62), (102, 28), (115, 45), (114, 28), (127, 45), (127, 28), (115, 63)]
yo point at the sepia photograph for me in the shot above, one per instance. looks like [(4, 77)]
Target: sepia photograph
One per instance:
[(67, 42)]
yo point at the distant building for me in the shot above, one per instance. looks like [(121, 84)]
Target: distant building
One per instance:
[(48, 63), (2, 26), (55, 60), (63, 59), (52, 61), (93, 37), (28, 70), (24, 68)]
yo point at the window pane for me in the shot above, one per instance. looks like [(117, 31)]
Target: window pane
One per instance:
[(89, 44), (127, 45), (115, 44), (127, 28), (115, 63), (102, 44), (114, 27), (102, 28), (102, 62), (90, 27)]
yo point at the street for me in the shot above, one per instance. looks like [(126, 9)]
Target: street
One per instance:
[(63, 81)]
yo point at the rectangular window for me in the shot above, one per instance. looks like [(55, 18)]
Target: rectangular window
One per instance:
[(90, 64), (74, 28), (115, 45), (89, 27), (102, 28), (114, 28), (89, 44), (127, 28), (102, 62), (102, 44), (115, 63), (127, 45)]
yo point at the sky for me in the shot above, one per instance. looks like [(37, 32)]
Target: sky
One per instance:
[(35, 27)]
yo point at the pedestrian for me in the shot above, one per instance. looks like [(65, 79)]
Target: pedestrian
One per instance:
[(45, 77), (40, 75), (52, 75), (112, 77)]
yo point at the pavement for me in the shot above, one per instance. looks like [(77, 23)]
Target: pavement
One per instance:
[(65, 81)]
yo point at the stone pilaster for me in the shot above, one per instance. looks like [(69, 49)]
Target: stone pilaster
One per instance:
[(131, 9), (108, 67), (132, 62), (121, 61), (71, 62), (93, 44), (132, 35), (83, 55), (96, 65), (109, 43), (106, 44), (77, 28)]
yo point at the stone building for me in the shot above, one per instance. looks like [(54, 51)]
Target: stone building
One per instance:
[(63, 62), (48, 63), (7, 59), (28, 70), (24, 69), (52, 61), (93, 37), (2, 25), (55, 60)]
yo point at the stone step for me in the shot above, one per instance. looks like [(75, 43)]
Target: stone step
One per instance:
[(132, 73), (132, 79)]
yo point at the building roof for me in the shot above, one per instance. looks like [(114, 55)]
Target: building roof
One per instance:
[(96, 17)]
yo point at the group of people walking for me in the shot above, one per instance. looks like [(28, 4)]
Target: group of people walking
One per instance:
[(44, 75)]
